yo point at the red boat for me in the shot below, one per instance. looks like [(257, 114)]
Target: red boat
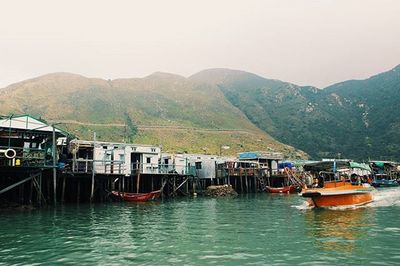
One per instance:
[(286, 189), (137, 197)]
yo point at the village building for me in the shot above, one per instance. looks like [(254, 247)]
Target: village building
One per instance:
[(266, 160), (28, 142), (114, 158)]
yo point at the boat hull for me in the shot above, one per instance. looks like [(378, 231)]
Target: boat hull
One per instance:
[(341, 200), (137, 197), (347, 195), (286, 189)]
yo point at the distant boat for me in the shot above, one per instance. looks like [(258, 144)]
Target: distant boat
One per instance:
[(386, 173), (383, 180), (137, 197), (285, 189), (292, 181), (329, 191)]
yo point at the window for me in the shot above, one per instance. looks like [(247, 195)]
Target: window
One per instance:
[(153, 150), (148, 160), (198, 165)]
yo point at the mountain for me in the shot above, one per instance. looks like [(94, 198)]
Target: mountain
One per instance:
[(356, 119), (178, 113), (370, 108)]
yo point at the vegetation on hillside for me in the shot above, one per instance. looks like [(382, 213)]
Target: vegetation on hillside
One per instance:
[(353, 119), (356, 119), (162, 109)]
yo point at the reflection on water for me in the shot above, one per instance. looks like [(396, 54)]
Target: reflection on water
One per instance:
[(339, 230)]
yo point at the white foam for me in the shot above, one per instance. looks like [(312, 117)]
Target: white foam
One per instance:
[(386, 197), (304, 206)]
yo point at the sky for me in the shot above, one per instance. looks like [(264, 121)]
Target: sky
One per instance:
[(306, 42)]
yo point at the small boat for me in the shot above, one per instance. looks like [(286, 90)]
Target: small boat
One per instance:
[(285, 189), (339, 193), (331, 189), (382, 180), (137, 197)]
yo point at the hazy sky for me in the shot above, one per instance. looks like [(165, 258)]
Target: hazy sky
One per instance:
[(306, 42)]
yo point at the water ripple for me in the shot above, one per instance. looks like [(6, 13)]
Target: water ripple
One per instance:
[(249, 230)]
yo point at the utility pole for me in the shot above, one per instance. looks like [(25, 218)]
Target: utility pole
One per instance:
[(54, 166)]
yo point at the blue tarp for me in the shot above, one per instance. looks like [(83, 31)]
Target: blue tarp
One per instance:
[(248, 155), (282, 165)]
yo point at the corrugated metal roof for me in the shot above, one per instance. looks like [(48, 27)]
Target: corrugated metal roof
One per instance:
[(26, 122)]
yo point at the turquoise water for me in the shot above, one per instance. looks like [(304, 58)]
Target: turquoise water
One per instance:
[(261, 229)]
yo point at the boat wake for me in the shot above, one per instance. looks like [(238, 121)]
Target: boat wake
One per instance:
[(303, 206), (386, 197)]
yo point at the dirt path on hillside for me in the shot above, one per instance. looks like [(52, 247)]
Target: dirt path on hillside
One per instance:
[(144, 127)]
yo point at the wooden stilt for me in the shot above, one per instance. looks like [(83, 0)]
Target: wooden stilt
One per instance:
[(40, 189), (247, 184), (48, 189), (241, 183), (194, 185), (162, 194), (31, 192), (63, 190), (78, 191), (236, 187), (21, 193), (137, 182), (174, 187)]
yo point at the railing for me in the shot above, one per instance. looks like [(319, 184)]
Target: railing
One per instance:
[(119, 167), (100, 166), (155, 168), (226, 170)]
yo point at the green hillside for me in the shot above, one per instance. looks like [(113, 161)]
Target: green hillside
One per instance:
[(370, 108), (353, 119), (164, 109), (356, 119)]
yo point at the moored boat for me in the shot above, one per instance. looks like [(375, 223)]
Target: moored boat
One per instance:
[(385, 182), (285, 189), (385, 173), (137, 197)]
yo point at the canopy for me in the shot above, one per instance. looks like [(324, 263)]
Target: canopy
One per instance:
[(362, 166), (328, 166)]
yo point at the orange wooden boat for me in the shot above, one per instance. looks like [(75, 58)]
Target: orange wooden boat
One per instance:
[(285, 189), (338, 193), (137, 197)]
